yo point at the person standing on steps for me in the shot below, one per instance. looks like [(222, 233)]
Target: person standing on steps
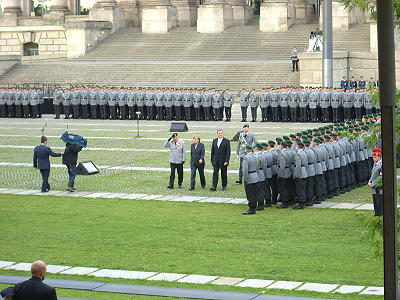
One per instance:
[(294, 59), (177, 158)]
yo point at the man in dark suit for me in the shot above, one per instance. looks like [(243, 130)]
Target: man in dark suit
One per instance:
[(41, 161), (34, 288), (197, 152), (70, 159), (220, 155)]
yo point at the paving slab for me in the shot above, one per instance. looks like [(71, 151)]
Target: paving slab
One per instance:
[(373, 290), (255, 283), (346, 205), (324, 204), (318, 287), (27, 192), (20, 267), (198, 279), (349, 289), (56, 268), (216, 200), (365, 207), (53, 193), (168, 197), (238, 201), (11, 191), (3, 189), (78, 194), (189, 198), (285, 285), (134, 196), (96, 195), (122, 274), (227, 281), (115, 195), (5, 263), (151, 197), (167, 276), (79, 271)]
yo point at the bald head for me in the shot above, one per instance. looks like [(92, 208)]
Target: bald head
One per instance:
[(38, 269)]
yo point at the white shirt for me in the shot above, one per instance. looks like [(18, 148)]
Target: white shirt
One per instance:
[(219, 141)]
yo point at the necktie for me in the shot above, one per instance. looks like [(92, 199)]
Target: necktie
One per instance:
[(245, 135)]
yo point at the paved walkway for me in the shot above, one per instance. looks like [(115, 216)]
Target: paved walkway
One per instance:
[(152, 290), (176, 277), (177, 198)]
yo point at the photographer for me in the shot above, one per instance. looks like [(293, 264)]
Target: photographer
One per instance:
[(70, 159), (177, 158)]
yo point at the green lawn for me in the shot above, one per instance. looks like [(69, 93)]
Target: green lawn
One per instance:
[(314, 245)]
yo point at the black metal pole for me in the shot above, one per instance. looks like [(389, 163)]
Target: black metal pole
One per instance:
[(387, 78)]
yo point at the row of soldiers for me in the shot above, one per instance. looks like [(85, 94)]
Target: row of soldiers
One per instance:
[(287, 104), (308, 167), (21, 103)]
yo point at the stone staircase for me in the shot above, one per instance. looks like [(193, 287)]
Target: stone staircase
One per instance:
[(241, 57)]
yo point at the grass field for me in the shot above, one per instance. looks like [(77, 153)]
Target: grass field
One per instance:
[(313, 245)]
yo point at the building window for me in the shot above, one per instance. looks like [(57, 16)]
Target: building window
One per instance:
[(31, 49)]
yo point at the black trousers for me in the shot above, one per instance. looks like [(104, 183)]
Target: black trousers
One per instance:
[(160, 113), (18, 111), (347, 113), (303, 114), (3, 110), (267, 194), (57, 109), (25, 109), (207, 113), (45, 179), (142, 112), (330, 182), (103, 112), (251, 195), (325, 115), (178, 115), (264, 114), (313, 115), (284, 190), (150, 112), (335, 115), (35, 111), (113, 112), (228, 113), (273, 182), (244, 113), (301, 190), (295, 65), (293, 114), (197, 114), (200, 169), (260, 193), (188, 113), (179, 169), (318, 187), (224, 175), (275, 114), (93, 109), (169, 113), (285, 117), (310, 189), (342, 178), (378, 204), (66, 111), (358, 111), (336, 180), (254, 113), (75, 109)]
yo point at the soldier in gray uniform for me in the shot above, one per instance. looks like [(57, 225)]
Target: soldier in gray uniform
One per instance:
[(348, 104), (300, 176), (131, 102), (159, 95), (336, 163), (121, 96), (264, 98), (10, 103), (284, 104), (177, 158), (112, 102), (358, 103), (325, 103), (294, 97), (177, 101), (34, 101), (85, 103), (254, 103), (274, 180), (217, 102), (18, 103), (275, 106), (329, 174), (57, 99), (149, 101), (284, 175), (377, 192), (311, 158), (168, 103), (197, 98), (3, 103), (336, 104), (93, 100), (318, 188), (250, 179), (267, 167), (103, 103), (261, 189), (245, 138), (187, 104), (228, 102), (368, 102), (206, 104), (313, 104), (26, 100), (244, 103), (66, 101), (75, 101), (303, 104)]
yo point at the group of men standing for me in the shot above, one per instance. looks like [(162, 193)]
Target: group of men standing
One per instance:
[(144, 103), (21, 103), (305, 168)]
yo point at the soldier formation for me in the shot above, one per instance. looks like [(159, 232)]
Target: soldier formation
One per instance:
[(286, 104), (308, 167)]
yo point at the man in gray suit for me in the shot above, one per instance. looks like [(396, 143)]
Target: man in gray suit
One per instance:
[(177, 158), (250, 179), (245, 138)]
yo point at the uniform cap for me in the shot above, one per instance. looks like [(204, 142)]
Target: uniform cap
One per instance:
[(264, 144), (259, 146), (286, 138), (284, 144), (278, 139), (300, 144), (270, 142), (246, 125), (306, 142), (249, 147), (292, 136), (289, 142), (316, 140)]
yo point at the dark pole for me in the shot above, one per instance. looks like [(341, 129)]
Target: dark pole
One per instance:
[(387, 78), (327, 52)]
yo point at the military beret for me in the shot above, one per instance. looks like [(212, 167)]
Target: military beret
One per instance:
[(364, 127), (357, 128), (340, 128), (298, 134), (334, 134), (328, 132), (306, 142), (309, 136), (249, 147), (285, 137), (174, 134), (278, 139), (270, 142), (300, 144), (264, 144), (297, 140), (316, 140), (289, 142), (258, 145), (292, 136), (284, 144), (246, 125)]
